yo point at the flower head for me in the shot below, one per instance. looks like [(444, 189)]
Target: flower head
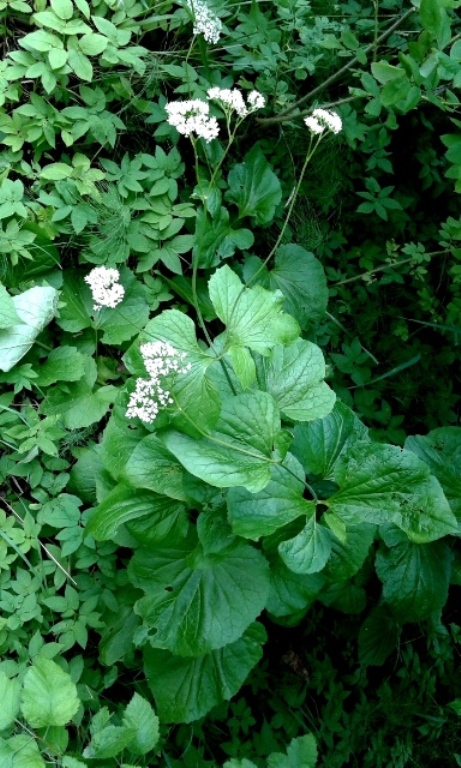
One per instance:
[(105, 288), (192, 116), (232, 100), (323, 119), (160, 359), (256, 100), (206, 22)]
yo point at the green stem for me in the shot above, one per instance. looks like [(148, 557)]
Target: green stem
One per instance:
[(309, 155)]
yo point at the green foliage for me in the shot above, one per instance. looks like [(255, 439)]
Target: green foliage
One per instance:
[(230, 491)]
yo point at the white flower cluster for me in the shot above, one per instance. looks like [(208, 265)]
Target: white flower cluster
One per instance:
[(160, 359), (206, 22), (323, 119), (192, 116), (105, 288), (234, 100)]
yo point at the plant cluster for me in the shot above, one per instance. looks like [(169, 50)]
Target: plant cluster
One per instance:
[(229, 414)]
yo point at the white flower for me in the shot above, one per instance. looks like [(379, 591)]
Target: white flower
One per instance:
[(256, 100), (105, 288), (322, 119), (206, 22), (229, 98), (192, 116), (314, 125), (160, 359), (142, 403)]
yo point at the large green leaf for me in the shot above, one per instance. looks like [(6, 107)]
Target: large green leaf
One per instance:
[(294, 376), (309, 550), (75, 315), (291, 593), (49, 697), (441, 451), (186, 689), (8, 314), (152, 466), (124, 504), (119, 440), (318, 445), (378, 636), (239, 450), (253, 317), (348, 556), (202, 601), (35, 309), (301, 278), (254, 187), (415, 577), (383, 484), (259, 514)]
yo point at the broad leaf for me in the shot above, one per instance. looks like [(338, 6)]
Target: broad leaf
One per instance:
[(124, 504), (186, 689), (308, 552), (441, 451), (152, 466), (253, 317), (291, 593), (301, 278), (318, 445), (415, 577), (49, 696), (76, 313), (378, 637), (383, 484), (254, 187), (348, 556), (8, 314), (239, 450), (294, 376), (259, 514), (35, 309), (203, 601)]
